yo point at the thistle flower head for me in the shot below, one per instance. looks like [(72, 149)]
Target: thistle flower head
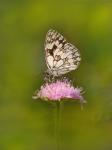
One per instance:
[(58, 90)]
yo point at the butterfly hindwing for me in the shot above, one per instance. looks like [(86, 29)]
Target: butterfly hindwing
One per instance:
[(61, 56)]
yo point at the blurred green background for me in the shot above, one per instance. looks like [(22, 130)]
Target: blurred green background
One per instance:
[(26, 124)]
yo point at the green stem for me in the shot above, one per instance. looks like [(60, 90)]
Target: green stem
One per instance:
[(58, 124)]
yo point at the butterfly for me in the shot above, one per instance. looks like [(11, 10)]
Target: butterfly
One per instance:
[(61, 56)]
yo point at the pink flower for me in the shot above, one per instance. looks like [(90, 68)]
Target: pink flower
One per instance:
[(58, 90)]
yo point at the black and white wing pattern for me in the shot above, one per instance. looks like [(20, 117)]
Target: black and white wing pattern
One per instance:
[(61, 56)]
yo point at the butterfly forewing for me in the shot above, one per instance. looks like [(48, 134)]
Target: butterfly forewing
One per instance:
[(61, 56)]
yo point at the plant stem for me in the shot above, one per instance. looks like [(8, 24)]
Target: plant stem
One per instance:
[(58, 124)]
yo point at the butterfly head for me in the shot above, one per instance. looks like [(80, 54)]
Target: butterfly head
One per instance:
[(51, 73)]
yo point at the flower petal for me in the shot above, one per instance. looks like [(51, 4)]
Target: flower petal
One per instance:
[(58, 90)]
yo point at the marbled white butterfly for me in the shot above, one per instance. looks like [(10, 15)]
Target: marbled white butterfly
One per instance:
[(61, 56)]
